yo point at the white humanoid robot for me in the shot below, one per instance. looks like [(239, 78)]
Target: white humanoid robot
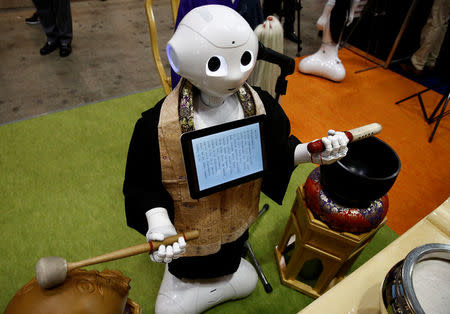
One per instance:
[(214, 49), (325, 62)]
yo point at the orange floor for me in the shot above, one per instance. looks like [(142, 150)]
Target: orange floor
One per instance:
[(315, 105)]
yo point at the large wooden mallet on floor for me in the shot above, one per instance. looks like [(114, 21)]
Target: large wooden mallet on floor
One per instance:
[(51, 271)]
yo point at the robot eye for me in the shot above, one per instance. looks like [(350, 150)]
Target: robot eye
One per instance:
[(246, 58), (216, 66), (246, 61)]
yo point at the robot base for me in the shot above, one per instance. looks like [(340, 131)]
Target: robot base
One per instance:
[(325, 63), (195, 296)]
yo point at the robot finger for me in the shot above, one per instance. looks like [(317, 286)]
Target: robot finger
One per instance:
[(169, 254), (167, 260), (328, 147), (176, 250), (157, 257), (153, 258), (155, 236), (334, 144), (161, 253), (182, 244), (331, 132), (343, 150), (342, 138)]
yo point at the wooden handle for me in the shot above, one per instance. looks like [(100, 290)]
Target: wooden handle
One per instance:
[(188, 235), (132, 250), (352, 135)]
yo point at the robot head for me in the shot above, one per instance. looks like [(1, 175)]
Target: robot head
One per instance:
[(214, 48)]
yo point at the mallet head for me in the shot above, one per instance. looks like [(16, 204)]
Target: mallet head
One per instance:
[(51, 271)]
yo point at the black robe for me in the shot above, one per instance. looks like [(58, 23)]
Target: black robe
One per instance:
[(143, 188)]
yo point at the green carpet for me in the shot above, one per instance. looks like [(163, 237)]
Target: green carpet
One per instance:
[(61, 181)]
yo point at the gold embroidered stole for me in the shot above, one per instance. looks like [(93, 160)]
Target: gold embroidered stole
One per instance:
[(223, 216)]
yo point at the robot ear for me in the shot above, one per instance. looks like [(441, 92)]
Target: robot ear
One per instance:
[(173, 58)]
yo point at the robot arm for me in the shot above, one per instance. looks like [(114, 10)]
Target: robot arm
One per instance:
[(143, 188), (345, 12), (324, 19)]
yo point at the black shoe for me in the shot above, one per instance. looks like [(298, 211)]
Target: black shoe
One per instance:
[(48, 48), (291, 36), (34, 19), (65, 50), (430, 69), (410, 69)]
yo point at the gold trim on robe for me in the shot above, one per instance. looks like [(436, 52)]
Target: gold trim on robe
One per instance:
[(221, 217)]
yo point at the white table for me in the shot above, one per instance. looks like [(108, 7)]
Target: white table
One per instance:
[(360, 291)]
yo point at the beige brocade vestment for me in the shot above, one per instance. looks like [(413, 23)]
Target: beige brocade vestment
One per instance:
[(221, 217)]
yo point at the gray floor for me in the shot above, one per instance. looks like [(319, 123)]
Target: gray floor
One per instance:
[(111, 56)]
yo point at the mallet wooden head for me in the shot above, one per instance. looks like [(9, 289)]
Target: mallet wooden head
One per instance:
[(51, 271)]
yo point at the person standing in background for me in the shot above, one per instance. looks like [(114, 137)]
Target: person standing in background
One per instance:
[(56, 20), (271, 7), (34, 19), (431, 39)]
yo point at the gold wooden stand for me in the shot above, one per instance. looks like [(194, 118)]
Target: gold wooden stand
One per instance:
[(315, 240)]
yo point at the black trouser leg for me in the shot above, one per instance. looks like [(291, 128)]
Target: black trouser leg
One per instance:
[(271, 7), (63, 21), (338, 18), (48, 19), (225, 262), (56, 20), (289, 15)]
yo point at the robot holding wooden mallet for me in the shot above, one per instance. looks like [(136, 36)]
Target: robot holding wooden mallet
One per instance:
[(214, 50), (213, 91)]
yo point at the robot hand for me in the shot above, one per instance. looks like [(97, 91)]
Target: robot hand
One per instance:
[(324, 18), (335, 148), (159, 228), (351, 14)]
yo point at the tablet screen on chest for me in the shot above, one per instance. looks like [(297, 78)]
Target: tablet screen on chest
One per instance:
[(223, 156)]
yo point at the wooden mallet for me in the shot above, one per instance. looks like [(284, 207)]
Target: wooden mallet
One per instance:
[(51, 271)]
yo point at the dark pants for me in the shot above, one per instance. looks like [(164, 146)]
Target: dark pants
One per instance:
[(224, 262), (56, 19), (274, 7), (338, 18)]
